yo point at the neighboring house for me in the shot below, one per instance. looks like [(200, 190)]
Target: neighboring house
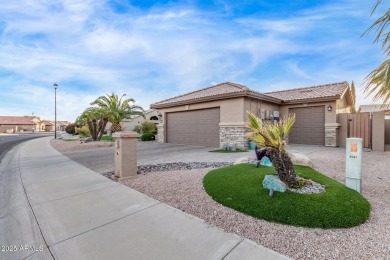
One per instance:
[(14, 124), (61, 125), (216, 115), (374, 108), (152, 115), (47, 126)]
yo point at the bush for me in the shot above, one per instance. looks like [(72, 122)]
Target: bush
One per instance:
[(148, 127), (83, 131), (137, 129), (70, 129), (148, 137)]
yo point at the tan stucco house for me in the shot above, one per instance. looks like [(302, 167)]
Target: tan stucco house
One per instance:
[(14, 124), (151, 115), (216, 115)]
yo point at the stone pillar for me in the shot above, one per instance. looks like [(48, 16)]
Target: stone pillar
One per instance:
[(160, 133), (125, 154), (233, 133), (331, 134), (378, 131)]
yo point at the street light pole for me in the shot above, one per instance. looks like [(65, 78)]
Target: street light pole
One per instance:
[(55, 110)]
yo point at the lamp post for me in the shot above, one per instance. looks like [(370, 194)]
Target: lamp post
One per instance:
[(55, 110)]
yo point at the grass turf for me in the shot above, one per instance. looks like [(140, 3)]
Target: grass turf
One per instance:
[(107, 138), (240, 187), (224, 151)]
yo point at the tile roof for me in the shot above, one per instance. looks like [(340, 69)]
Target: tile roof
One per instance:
[(15, 120), (320, 91), (216, 90), (48, 122), (224, 89)]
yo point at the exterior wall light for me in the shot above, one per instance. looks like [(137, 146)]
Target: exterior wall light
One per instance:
[(330, 108)]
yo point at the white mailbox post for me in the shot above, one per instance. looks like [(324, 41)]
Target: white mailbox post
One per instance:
[(353, 171)]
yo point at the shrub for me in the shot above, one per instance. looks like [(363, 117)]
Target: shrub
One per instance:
[(148, 137), (83, 131), (148, 127), (137, 129), (70, 129)]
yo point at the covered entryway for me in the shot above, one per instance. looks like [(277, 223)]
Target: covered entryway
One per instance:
[(197, 127), (309, 127)]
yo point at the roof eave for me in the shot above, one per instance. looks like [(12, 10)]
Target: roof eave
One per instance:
[(312, 100), (217, 97)]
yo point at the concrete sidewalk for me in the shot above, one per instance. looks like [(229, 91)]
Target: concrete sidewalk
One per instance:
[(52, 207)]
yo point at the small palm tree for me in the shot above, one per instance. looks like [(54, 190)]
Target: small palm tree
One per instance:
[(117, 109), (96, 119), (271, 136), (378, 81)]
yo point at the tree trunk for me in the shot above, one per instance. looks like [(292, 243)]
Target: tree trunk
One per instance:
[(94, 130), (91, 130), (283, 166), (115, 127), (102, 127)]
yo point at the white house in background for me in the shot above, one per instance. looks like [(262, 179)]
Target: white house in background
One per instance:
[(152, 115), (374, 108)]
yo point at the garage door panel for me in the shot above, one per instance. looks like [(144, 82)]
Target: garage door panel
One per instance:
[(309, 127), (197, 127)]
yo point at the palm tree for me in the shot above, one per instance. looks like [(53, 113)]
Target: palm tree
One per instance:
[(378, 81), (271, 136), (353, 96), (117, 109), (96, 119)]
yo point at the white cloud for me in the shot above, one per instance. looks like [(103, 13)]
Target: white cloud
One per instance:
[(90, 50)]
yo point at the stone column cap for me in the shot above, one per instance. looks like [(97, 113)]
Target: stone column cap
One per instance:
[(126, 134), (332, 125)]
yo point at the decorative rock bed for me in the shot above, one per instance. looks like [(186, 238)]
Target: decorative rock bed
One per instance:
[(142, 169)]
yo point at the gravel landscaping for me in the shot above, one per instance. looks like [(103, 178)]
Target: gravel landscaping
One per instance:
[(183, 189), (77, 145)]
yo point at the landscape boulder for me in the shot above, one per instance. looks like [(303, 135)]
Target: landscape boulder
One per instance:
[(273, 182), (300, 159)]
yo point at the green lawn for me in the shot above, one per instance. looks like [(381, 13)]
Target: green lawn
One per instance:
[(224, 151), (240, 187), (107, 138)]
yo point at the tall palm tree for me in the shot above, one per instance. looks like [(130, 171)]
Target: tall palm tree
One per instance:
[(96, 119), (117, 109), (271, 136), (378, 81)]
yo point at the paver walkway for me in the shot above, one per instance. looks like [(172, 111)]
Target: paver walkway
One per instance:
[(60, 209)]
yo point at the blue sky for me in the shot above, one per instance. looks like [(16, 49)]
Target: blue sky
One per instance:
[(152, 50)]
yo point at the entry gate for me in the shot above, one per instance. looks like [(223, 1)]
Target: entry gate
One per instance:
[(359, 125)]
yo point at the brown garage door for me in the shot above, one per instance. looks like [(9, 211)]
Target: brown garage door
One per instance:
[(309, 127), (197, 127)]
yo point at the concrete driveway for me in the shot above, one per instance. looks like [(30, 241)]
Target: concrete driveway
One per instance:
[(102, 160)]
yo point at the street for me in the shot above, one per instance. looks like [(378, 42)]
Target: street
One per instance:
[(9, 141)]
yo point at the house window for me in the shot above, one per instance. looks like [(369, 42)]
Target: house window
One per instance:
[(154, 118)]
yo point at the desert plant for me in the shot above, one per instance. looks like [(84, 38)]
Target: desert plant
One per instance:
[(148, 137), (70, 129), (271, 136), (117, 109), (96, 119), (83, 131), (148, 127), (137, 129), (378, 81)]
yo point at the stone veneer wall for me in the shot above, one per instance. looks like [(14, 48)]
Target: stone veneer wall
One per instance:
[(160, 133), (233, 135), (330, 136)]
